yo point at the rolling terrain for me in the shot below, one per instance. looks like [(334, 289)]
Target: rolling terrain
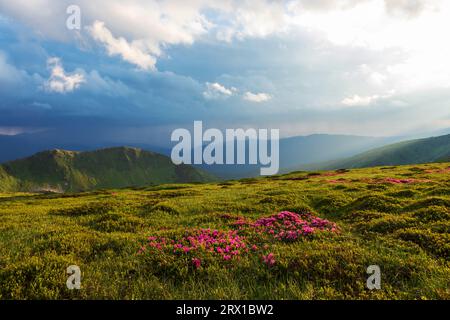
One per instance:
[(226, 240)]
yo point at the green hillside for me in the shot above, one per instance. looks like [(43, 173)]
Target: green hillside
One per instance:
[(60, 170), (227, 240), (435, 149)]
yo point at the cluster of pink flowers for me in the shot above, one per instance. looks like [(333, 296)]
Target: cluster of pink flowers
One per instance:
[(196, 262), (239, 221), (384, 180), (198, 244), (289, 226), (338, 181), (226, 244), (446, 170), (269, 259), (402, 181)]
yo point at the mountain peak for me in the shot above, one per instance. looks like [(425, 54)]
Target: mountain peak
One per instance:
[(116, 167)]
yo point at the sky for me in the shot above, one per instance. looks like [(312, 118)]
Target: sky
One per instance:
[(136, 70)]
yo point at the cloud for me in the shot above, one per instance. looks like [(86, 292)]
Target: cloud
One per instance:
[(134, 30), (390, 99), (134, 52), (59, 81), (140, 31), (10, 131), (9, 75), (42, 105), (313, 61), (409, 8), (217, 91), (253, 19), (325, 5), (256, 97), (357, 100)]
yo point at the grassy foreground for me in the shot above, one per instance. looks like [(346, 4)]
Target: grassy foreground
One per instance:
[(394, 217)]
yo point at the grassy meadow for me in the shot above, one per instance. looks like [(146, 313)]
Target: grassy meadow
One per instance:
[(394, 217)]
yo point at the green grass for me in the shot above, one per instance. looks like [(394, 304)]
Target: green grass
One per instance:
[(404, 228)]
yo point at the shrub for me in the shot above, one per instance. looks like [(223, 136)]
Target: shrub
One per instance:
[(112, 222), (167, 208), (387, 224), (88, 209), (376, 202), (438, 244), (432, 213), (35, 278)]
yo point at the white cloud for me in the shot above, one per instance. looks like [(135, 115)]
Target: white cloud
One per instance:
[(134, 52), (256, 97), (59, 81), (357, 100), (253, 19), (406, 36), (389, 99), (408, 8), (140, 30), (217, 91), (41, 105), (13, 131), (9, 75), (332, 48)]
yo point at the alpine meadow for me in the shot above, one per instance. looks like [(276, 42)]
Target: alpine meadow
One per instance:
[(123, 239), (224, 158)]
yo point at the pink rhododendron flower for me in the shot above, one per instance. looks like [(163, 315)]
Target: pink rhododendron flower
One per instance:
[(269, 259), (289, 226), (199, 245), (196, 262)]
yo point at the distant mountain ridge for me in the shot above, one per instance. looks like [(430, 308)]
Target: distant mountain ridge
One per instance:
[(62, 170), (434, 149), (303, 150), (294, 151)]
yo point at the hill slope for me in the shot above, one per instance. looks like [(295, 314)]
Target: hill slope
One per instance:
[(303, 150), (61, 170), (434, 149), (396, 218)]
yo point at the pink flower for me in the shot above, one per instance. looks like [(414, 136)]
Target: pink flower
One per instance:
[(231, 244), (269, 259), (196, 262), (142, 250)]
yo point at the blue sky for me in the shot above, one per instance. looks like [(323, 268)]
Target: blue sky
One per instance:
[(138, 69)]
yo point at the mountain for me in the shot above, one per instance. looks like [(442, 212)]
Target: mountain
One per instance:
[(61, 170), (323, 147), (434, 149), (294, 151), (302, 150), (27, 144)]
